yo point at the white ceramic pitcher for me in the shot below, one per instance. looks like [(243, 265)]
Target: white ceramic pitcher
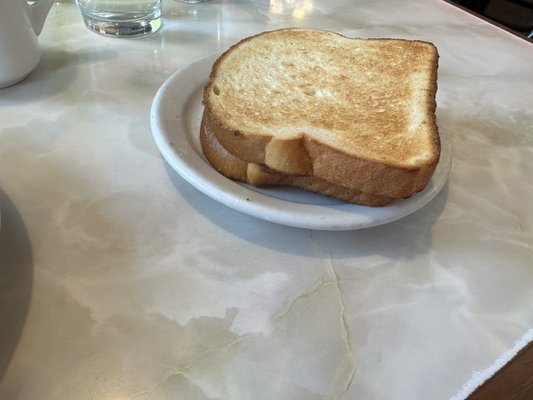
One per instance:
[(20, 24)]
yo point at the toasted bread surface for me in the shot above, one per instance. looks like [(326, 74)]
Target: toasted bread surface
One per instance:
[(354, 112), (262, 176)]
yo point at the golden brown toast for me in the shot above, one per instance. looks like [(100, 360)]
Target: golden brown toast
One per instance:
[(359, 113), (260, 175)]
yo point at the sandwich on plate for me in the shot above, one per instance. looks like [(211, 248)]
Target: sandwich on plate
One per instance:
[(349, 118)]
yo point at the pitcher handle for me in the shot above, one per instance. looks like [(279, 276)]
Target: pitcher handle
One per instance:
[(38, 10)]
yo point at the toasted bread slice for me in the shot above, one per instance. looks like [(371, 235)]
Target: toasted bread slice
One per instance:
[(359, 113), (260, 175)]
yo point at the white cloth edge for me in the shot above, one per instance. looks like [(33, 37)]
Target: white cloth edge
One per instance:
[(480, 377)]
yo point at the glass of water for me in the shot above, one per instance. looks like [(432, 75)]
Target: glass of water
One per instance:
[(121, 18)]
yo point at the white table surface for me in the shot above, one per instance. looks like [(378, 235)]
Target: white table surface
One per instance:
[(119, 280)]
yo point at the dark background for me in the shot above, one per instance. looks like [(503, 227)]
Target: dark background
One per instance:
[(515, 15)]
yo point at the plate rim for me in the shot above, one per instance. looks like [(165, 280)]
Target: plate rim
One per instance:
[(258, 204)]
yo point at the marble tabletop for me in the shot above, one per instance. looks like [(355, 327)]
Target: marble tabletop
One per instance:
[(119, 280)]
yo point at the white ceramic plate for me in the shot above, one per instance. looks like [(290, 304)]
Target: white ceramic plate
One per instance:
[(175, 119)]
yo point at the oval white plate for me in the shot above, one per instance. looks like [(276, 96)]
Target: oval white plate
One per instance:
[(175, 120)]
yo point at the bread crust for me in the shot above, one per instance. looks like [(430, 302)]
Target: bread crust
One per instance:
[(261, 176), (302, 153)]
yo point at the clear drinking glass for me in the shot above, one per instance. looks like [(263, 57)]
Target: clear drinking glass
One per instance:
[(121, 18)]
